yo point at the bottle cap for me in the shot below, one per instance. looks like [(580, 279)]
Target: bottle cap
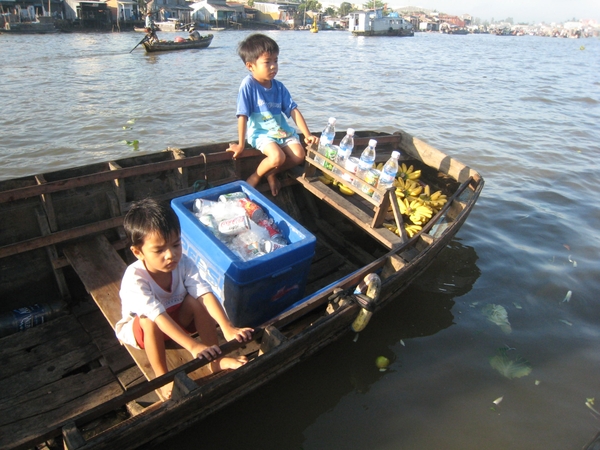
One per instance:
[(331, 120), (372, 142), (350, 131), (395, 154)]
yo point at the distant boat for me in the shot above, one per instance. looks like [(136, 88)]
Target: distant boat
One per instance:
[(40, 27), (167, 46), (373, 23)]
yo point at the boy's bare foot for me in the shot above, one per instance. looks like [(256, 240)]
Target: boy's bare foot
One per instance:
[(228, 363), (165, 392), (253, 179), (274, 184)]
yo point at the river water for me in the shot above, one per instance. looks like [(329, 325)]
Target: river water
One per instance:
[(524, 111)]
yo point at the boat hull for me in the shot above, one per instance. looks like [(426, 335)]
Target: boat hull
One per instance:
[(76, 204), (392, 32)]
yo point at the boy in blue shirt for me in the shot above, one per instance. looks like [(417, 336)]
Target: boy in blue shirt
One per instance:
[(261, 106)]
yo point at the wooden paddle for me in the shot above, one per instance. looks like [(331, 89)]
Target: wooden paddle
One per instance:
[(142, 41)]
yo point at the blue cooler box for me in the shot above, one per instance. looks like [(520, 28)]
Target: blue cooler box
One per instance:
[(254, 291)]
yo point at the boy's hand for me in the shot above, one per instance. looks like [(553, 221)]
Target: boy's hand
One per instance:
[(237, 149), (209, 353), (239, 334), (310, 139)]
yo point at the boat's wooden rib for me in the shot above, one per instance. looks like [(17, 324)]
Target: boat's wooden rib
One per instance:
[(62, 236)]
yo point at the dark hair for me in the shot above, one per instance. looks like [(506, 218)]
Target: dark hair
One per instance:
[(149, 216), (251, 48)]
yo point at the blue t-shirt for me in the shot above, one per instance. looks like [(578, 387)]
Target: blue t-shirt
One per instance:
[(265, 109)]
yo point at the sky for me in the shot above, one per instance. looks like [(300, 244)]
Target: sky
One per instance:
[(527, 11)]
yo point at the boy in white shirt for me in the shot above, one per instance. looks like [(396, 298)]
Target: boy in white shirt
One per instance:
[(163, 296)]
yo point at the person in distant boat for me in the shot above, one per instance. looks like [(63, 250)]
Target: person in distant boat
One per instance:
[(149, 21), (151, 35), (163, 296), (194, 35), (263, 106)]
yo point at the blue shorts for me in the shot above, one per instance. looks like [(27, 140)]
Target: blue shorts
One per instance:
[(262, 141)]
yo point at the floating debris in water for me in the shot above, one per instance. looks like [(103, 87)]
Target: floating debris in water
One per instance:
[(382, 363), (537, 382), (402, 342), (127, 128), (135, 143), (566, 322), (589, 402), (474, 304), (498, 400), (518, 306), (497, 314), (131, 121), (515, 367), (572, 261), (567, 247), (568, 296), (582, 47), (355, 337)]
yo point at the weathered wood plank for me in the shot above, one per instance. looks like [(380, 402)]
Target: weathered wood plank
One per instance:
[(33, 430), (49, 397), (43, 352), (49, 371), (31, 337)]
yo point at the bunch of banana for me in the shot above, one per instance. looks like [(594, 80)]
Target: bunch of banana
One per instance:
[(438, 200), (393, 228), (419, 213), (409, 189), (435, 201), (411, 229), (345, 189), (408, 173), (379, 166), (326, 179)]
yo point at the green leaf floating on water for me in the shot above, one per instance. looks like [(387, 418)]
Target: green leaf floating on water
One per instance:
[(135, 144), (515, 367), (497, 314)]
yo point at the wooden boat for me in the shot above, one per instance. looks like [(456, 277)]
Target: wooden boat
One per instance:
[(63, 252), (167, 46)]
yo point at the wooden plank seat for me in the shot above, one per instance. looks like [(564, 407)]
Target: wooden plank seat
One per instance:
[(101, 269)]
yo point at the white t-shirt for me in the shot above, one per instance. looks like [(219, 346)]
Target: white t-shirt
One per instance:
[(142, 296)]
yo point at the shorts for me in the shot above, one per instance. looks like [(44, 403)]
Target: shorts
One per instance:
[(173, 311), (264, 140)]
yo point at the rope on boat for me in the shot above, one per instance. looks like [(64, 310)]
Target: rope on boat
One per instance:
[(200, 185)]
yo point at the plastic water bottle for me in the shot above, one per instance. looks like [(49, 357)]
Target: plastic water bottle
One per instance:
[(328, 133), (346, 146), (388, 174), (367, 158)]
